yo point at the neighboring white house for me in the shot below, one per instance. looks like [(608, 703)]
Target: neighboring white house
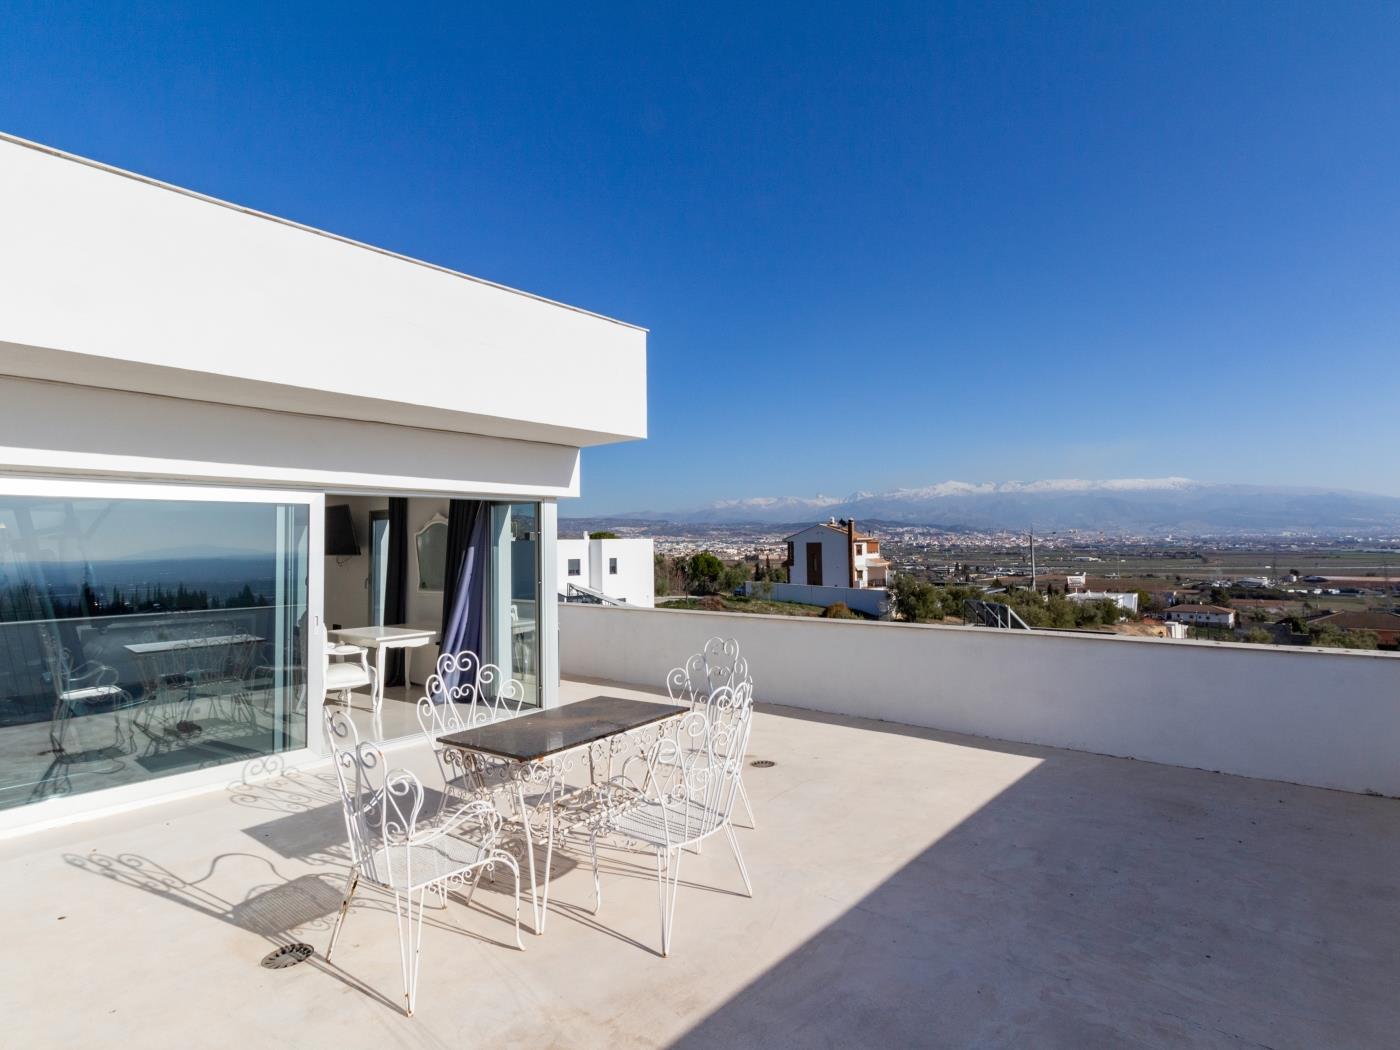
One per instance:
[(1201, 615), (188, 385), (622, 569), (834, 554), (1125, 600)]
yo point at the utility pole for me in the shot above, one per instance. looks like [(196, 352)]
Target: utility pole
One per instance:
[(1032, 560)]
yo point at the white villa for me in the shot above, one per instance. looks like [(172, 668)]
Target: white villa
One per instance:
[(191, 390), (834, 554)]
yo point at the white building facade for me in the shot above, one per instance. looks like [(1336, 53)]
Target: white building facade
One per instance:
[(1125, 600), (1201, 615), (835, 554), (188, 385), (621, 568)]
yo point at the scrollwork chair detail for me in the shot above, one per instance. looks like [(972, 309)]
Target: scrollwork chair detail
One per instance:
[(462, 694), (685, 794), (389, 850)]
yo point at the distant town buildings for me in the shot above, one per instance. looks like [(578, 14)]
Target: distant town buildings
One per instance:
[(834, 554)]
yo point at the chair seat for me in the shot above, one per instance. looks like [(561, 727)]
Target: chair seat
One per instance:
[(93, 693), (646, 823), (419, 865), (346, 676)]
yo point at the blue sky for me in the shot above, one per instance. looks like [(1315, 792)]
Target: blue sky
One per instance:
[(874, 247)]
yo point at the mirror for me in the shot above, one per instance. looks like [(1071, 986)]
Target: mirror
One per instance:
[(431, 541)]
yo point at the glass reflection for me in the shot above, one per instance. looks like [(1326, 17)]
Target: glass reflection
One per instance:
[(142, 638)]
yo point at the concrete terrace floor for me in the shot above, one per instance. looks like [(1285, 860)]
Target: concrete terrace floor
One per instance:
[(913, 888)]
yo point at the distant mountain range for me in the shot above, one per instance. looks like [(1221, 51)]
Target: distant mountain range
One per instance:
[(1125, 505)]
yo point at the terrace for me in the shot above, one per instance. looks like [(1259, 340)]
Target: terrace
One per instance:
[(912, 887)]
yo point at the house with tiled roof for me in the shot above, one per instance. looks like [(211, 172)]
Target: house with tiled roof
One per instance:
[(835, 554)]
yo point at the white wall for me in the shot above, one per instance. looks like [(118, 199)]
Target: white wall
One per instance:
[(57, 428), (835, 551), (347, 577), (1309, 716), (635, 581), (114, 280), (573, 549)]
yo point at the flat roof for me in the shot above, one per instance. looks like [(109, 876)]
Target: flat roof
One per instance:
[(267, 216)]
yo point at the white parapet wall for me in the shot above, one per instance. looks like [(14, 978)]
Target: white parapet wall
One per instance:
[(1309, 716)]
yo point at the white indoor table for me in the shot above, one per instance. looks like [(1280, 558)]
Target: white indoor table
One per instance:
[(381, 640)]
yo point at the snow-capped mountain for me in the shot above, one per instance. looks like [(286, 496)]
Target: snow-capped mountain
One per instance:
[(1140, 505)]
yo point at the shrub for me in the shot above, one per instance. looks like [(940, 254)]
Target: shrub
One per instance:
[(839, 611)]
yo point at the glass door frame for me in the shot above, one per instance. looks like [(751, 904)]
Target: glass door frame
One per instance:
[(63, 808), (499, 639)]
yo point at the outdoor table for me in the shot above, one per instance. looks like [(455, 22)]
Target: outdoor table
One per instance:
[(543, 746), (192, 662)]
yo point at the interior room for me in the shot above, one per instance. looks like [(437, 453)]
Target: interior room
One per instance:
[(412, 562)]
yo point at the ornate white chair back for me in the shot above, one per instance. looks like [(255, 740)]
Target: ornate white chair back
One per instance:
[(722, 663), (381, 806), (686, 684)]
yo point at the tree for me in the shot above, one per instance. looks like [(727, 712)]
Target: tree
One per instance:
[(1336, 638), (704, 573), (661, 575), (915, 600), (733, 577), (602, 535)]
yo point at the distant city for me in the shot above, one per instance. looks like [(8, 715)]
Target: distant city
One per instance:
[(1288, 567)]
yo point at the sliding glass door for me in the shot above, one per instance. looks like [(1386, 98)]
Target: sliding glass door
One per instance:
[(513, 594), (145, 637)]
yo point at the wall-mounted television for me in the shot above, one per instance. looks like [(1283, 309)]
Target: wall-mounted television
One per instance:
[(340, 532)]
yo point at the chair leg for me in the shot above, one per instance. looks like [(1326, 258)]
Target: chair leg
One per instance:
[(351, 881), (597, 885), (476, 881), (668, 876), (509, 861), (734, 845), (410, 942), (748, 807)]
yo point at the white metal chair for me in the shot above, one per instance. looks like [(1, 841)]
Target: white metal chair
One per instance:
[(685, 794), (717, 665), (346, 669), (85, 695), (389, 850), (462, 694)]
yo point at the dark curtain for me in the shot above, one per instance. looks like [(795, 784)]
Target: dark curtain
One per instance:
[(464, 579), (396, 584)]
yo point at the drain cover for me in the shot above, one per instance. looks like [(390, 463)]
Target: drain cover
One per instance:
[(763, 763), (287, 955)]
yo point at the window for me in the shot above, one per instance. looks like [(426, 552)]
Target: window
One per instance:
[(575, 568), (140, 638), (612, 566)]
